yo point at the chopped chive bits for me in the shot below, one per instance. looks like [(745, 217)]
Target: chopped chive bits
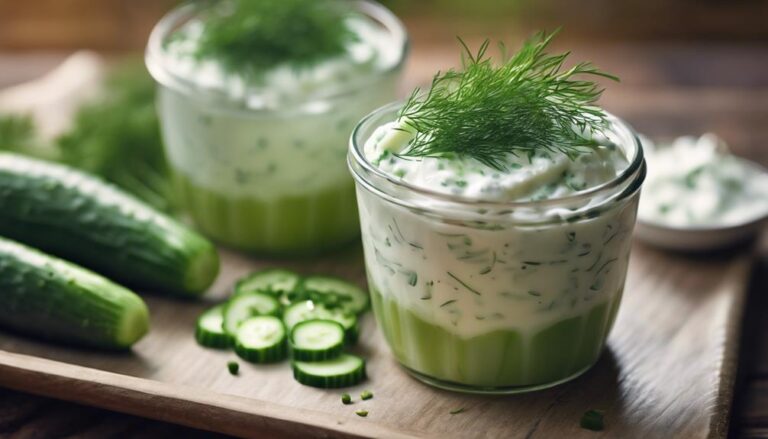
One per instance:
[(346, 399), (457, 411), (366, 395), (361, 413), (233, 367), (593, 420)]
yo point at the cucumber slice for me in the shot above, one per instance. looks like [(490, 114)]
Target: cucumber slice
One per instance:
[(241, 307), (316, 340), (342, 371), (334, 292), (210, 329), (276, 282), (309, 310), (261, 339)]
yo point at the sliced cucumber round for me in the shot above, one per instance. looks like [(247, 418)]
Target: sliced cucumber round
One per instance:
[(316, 340), (210, 329), (334, 292), (309, 310), (276, 282), (244, 306), (342, 371), (261, 340)]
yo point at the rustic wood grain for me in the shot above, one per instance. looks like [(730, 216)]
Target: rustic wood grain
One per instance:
[(669, 370)]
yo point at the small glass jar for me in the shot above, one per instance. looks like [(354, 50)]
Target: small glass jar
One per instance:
[(268, 179), (495, 297)]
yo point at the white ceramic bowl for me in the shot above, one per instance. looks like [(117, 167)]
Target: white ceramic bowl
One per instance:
[(697, 239)]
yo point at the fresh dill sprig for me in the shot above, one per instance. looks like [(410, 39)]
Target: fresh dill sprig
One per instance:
[(250, 36), (528, 103)]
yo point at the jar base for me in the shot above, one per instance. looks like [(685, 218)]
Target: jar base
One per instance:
[(483, 390)]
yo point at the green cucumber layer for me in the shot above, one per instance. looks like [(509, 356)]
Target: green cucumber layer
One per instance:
[(291, 225), (502, 358), (343, 371), (45, 296), (83, 219)]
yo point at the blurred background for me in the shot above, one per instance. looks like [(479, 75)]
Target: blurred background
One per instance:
[(686, 67), (707, 57), (118, 25)]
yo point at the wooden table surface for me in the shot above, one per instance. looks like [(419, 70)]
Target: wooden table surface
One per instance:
[(666, 90)]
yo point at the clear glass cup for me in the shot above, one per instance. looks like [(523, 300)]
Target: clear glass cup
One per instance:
[(495, 297), (268, 180)]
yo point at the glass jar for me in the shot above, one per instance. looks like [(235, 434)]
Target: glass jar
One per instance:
[(268, 178), (495, 297)]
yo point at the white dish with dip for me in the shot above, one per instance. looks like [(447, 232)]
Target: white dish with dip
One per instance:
[(700, 197)]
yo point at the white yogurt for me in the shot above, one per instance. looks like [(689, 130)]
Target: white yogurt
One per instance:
[(474, 278)]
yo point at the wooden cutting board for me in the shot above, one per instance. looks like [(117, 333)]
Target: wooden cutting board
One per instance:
[(669, 370)]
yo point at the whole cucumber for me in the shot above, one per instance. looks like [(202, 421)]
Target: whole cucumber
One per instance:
[(47, 297), (81, 218)]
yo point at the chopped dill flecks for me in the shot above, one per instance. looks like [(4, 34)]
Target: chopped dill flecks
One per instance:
[(528, 104), (593, 420)]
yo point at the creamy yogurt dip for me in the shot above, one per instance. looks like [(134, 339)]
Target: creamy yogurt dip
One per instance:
[(494, 280), (259, 156), (697, 182)]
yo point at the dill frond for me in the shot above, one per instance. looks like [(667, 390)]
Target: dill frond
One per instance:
[(529, 102)]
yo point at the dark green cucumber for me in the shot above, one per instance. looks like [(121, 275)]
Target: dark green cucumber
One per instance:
[(261, 340), (83, 219), (44, 296), (209, 331), (343, 371), (316, 340)]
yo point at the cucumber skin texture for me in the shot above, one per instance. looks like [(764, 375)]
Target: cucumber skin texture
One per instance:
[(83, 219), (50, 298)]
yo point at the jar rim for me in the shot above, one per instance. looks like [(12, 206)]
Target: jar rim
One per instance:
[(361, 169), (158, 69)]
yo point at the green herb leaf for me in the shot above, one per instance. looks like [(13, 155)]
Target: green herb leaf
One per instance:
[(593, 420), (233, 367), (528, 104), (19, 134), (346, 399), (250, 36), (366, 395), (117, 137)]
